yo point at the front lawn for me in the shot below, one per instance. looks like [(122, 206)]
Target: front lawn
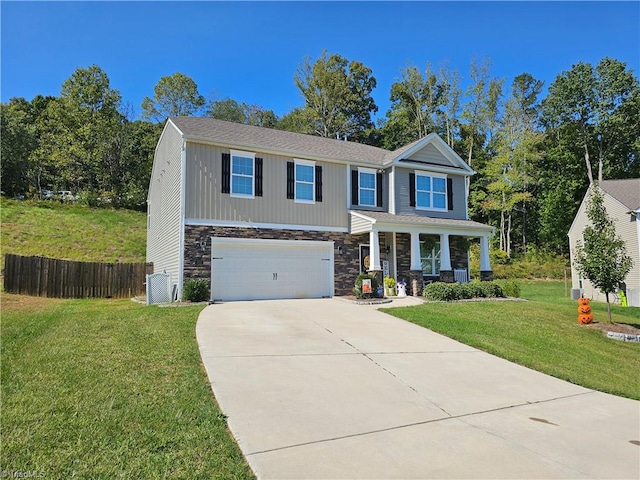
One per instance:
[(543, 334), (108, 389)]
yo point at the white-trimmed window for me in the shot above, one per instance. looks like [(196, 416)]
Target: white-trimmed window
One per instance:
[(305, 183), (367, 187), (430, 258), (431, 192), (242, 174)]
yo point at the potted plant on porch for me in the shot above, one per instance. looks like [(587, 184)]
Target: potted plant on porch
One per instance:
[(389, 286)]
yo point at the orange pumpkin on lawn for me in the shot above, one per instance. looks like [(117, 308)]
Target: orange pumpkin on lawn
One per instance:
[(584, 309), (585, 318)]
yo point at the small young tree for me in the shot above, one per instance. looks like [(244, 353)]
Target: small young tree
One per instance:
[(602, 258)]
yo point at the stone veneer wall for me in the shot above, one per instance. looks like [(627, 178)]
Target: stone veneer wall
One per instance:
[(197, 263), (403, 253)]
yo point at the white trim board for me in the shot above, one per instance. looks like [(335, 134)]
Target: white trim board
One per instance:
[(273, 226)]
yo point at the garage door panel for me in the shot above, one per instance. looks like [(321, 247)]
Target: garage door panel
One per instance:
[(243, 269)]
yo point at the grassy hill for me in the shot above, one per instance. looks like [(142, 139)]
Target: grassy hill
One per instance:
[(72, 232)]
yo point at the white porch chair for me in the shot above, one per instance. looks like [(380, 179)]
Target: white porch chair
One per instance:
[(460, 275)]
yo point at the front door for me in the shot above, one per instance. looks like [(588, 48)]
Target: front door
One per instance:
[(364, 258)]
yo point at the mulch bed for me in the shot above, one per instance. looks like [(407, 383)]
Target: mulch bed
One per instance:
[(615, 327)]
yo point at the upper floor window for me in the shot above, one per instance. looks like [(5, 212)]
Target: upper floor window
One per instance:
[(242, 174), (367, 187), (431, 192), (304, 181)]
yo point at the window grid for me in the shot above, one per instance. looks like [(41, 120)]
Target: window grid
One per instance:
[(431, 192), (305, 182), (242, 176), (367, 189)]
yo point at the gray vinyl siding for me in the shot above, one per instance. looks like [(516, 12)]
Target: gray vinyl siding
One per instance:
[(430, 154), (164, 223), (626, 228), (403, 206), (205, 201)]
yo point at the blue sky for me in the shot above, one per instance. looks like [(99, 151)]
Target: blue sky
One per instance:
[(249, 51)]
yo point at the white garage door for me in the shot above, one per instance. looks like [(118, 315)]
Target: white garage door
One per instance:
[(247, 269)]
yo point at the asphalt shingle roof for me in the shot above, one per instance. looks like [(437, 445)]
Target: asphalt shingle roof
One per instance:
[(626, 191), (415, 219), (269, 139)]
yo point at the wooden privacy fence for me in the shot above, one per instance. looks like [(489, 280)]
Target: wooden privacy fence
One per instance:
[(50, 277)]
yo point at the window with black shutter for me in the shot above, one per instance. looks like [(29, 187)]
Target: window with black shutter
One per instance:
[(318, 183), (291, 181), (412, 189), (258, 177), (226, 173), (354, 187)]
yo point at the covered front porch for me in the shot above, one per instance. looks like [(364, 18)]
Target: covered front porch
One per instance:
[(420, 249)]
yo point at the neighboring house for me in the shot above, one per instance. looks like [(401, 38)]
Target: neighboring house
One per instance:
[(622, 201), (264, 213)]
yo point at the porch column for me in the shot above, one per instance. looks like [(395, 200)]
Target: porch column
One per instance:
[(415, 273), (446, 273), (485, 263), (374, 252), (415, 252)]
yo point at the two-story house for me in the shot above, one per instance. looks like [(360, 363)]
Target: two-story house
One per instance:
[(264, 213)]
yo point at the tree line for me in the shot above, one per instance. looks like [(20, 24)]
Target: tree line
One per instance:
[(534, 157)]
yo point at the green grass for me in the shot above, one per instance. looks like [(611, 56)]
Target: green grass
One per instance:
[(72, 232), (543, 334), (108, 389)]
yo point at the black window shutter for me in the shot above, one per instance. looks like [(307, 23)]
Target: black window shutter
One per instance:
[(291, 182), (354, 187), (449, 194), (226, 173), (412, 189), (318, 183), (379, 189), (258, 178)]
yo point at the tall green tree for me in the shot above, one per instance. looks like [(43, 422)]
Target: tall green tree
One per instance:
[(450, 98), (81, 134), (337, 96), (232, 111), (511, 170), (420, 96), (602, 258), (173, 96), (18, 138), (601, 105), (417, 104), (480, 113)]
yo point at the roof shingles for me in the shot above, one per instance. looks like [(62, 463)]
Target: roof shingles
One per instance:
[(268, 139), (626, 191)]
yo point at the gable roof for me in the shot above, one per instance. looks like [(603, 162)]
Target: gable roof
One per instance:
[(626, 191), (270, 140)]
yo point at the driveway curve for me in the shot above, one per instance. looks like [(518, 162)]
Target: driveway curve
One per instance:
[(326, 389)]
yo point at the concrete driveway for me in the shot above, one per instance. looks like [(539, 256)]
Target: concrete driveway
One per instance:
[(325, 389)]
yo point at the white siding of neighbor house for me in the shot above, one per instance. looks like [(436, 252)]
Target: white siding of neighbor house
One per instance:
[(403, 206), (626, 228), (205, 201), (163, 215)]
